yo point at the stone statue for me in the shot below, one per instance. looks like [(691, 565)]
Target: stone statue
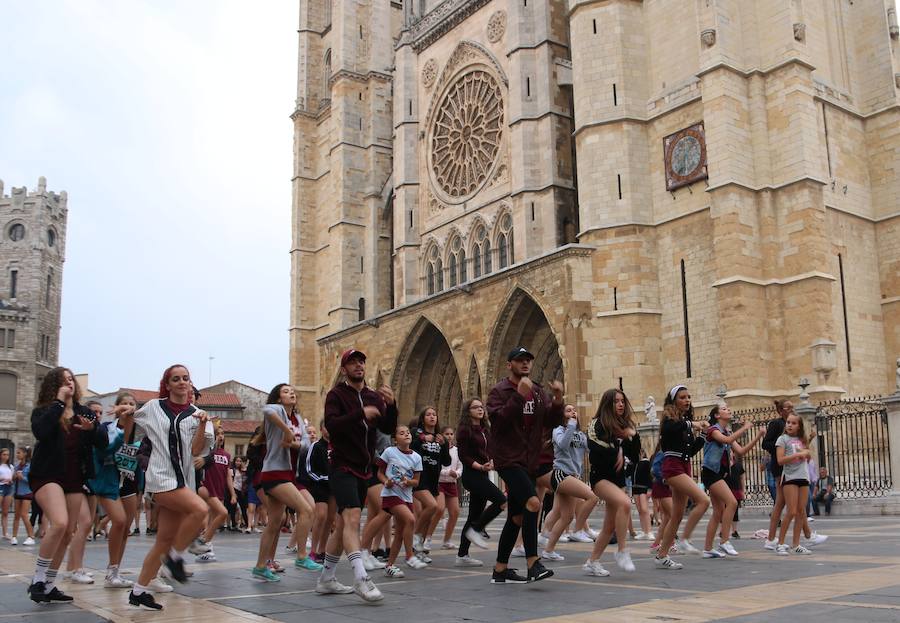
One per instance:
[(650, 408), (897, 383)]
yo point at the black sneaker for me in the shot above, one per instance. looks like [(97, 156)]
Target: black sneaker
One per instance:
[(37, 593), (485, 535), (176, 569), (57, 595), (136, 532), (735, 535), (613, 540), (538, 572), (509, 576), (144, 599)]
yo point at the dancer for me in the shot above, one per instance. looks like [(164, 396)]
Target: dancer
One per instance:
[(570, 445), (218, 481), (399, 470), (613, 439), (435, 453), (448, 492), (473, 435), (792, 454), (285, 435), (353, 413), (61, 465), (131, 479), (678, 444), (105, 485), (520, 410), (22, 496), (6, 487), (717, 463), (177, 432), (313, 474), (661, 495)]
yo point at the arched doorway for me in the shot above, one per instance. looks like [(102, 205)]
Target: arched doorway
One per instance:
[(522, 323), (426, 374)]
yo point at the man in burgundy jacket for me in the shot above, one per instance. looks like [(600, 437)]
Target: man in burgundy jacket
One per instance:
[(353, 412), (520, 410)]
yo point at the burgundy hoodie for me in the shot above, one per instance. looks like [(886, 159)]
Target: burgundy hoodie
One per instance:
[(516, 440), (472, 443), (352, 438)]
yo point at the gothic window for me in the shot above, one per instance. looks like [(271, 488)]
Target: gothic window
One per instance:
[(481, 252), (8, 387), (51, 238), (456, 263), (505, 242), (49, 286), (13, 283), (16, 232), (362, 308), (434, 271), (326, 77)]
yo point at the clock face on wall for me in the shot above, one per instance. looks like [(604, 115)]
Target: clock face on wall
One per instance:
[(685, 157)]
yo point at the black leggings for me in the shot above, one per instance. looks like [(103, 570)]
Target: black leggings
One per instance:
[(481, 491), (520, 487)]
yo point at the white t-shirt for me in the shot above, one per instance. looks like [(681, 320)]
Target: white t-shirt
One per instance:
[(399, 464)]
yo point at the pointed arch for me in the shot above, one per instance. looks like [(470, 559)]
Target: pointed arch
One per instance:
[(503, 238), (480, 248), (473, 380), (433, 268), (426, 373), (457, 270), (522, 322)]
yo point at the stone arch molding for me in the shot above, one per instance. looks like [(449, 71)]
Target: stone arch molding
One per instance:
[(522, 320)]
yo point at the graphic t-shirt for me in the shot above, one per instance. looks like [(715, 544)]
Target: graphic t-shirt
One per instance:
[(793, 445), (216, 475), (397, 465)]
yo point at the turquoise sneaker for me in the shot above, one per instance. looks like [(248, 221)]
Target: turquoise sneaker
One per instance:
[(307, 563), (264, 573)]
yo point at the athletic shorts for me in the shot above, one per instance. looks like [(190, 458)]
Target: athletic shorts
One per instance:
[(373, 479), (319, 491), (348, 490), (428, 481), (617, 478), (520, 487), (449, 489), (659, 491), (673, 466), (796, 482), (390, 502), (68, 487), (708, 477), (26, 496), (268, 485), (128, 488), (638, 490), (556, 478), (542, 469)]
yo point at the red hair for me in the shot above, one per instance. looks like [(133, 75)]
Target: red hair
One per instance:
[(164, 382)]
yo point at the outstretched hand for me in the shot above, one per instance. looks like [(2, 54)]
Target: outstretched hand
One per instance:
[(387, 394), (558, 389)]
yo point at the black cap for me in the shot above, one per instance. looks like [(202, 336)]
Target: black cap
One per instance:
[(519, 352)]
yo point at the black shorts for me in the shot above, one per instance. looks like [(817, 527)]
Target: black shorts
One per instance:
[(348, 490), (708, 477), (520, 487), (796, 482), (638, 490), (546, 468), (318, 490), (556, 478), (428, 481), (128, 488), (373, 479), (617, 478), (268, 485)]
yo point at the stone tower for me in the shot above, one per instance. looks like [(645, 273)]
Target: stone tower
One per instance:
[(32, 252)]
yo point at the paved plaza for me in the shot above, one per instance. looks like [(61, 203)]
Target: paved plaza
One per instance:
[(855, 576)]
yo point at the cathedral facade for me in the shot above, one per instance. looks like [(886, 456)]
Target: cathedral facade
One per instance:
[(642, 192)]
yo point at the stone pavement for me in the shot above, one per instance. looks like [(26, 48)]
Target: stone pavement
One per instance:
[(855, 576)]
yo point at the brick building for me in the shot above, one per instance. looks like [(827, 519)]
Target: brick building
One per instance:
[(642, 192), (32, 252)]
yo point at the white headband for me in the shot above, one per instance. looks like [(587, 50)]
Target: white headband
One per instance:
[(675, 390)]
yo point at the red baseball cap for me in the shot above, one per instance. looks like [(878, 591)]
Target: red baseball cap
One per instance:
[(351, 353)]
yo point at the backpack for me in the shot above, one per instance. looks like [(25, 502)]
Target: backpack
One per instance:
[(656, 466)]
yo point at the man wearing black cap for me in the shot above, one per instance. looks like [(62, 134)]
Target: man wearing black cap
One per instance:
[(520, 410), (353, 413)]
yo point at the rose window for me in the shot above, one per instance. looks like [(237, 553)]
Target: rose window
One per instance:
[(465, 138)]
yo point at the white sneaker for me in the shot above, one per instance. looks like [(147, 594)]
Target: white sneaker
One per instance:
[(13, 540), (640, 536), (581, 537), (417, 543), (158, 585), (518, 552), (713, 553), (542, 540), (449, 545), (28, 541), (623, 559), (810, 518), (370, 562), (116, 581), (782, 550), (594, 533), (815, 539), (332, 587), (198, 547), (801, 550), (414, 562), (668, 563), (727, 548), (594, 568), (424, 558), (565, 537), (772, 545), (367, 590), (426, 545), (554, 556), (80, 577), (651, 536), (393, 571), (475, 538), (209, 556), (290, 549), (467, 561), (687, 547)]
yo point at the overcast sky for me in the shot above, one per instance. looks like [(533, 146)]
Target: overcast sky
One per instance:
[(168, 124)]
